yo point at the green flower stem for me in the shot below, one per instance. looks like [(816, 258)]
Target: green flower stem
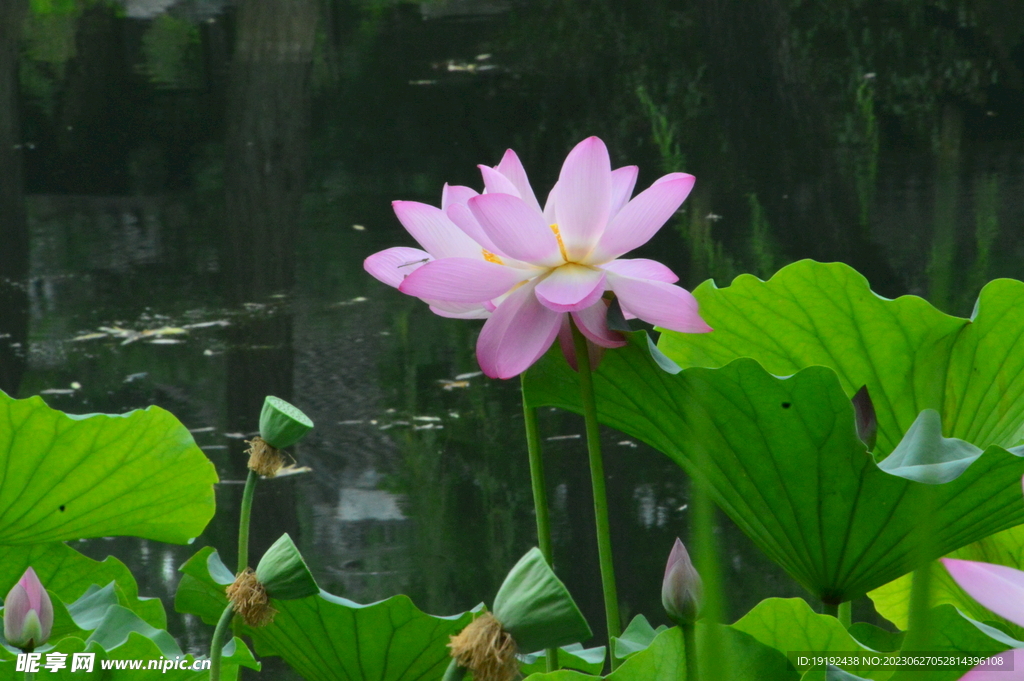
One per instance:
[(690, 648), (920, 597), (454, 672), (30, 676), (830, 609), (217, 644), (540, 499), (243, 521), (846, 614), (597, 480)]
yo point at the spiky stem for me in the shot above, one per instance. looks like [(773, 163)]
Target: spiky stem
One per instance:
[(597, 480), (540, 498)]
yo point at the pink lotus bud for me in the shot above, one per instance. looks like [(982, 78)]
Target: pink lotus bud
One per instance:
[(28, 613), (681, 590)]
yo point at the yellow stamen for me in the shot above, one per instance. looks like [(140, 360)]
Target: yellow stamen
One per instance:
[(490, 257), (561, 245)]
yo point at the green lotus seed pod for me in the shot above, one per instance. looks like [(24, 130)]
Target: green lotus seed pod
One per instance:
[(535, 607), (283, 573), (282, 424)]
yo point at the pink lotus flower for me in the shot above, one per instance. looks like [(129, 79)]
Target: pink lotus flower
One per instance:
[(1001, 590), (533, 268), (28, 613)]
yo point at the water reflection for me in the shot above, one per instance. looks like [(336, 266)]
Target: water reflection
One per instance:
[(226, 169), (14, 253)]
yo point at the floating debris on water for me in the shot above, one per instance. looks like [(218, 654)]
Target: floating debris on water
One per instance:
[(466, 377), (57, 391), (428, 426), (353, 301), (205, 447), (164, 341), (75, 385), (206, 325), (553, 438), (627, 443), (204, 429), (130, 378), (351, 422), (359, 228), (236, 436), (426, 418), (452, 385), (89, 336)]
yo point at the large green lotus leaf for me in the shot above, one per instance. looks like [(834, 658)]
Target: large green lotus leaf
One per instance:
[(910, 355), (782, 458), (328, 638), (789, 624), (562, 675), (949, 631), (68, 477), (572, 656), (738, 657), (637, 636), (68, 574), (830, 674), (892, 601)]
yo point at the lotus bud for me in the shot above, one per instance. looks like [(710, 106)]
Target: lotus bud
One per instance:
[(867, 421), (281, 425), (532, 611), (28, 613), (281, 574), (681, 590)]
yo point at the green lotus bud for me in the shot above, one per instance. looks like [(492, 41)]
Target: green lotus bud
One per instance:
[(284, 573), (681, 589), (535, 607), (533, 610), (28, 613), (282, 424), (281, 574)]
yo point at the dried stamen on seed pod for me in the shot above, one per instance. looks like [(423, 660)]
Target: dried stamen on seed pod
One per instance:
[(264, 459), (485, 648), (249, 599)]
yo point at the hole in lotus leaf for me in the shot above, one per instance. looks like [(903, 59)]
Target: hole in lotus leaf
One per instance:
[(786, 405), (62, 508)]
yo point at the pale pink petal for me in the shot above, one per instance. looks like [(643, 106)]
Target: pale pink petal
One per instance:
[(571, 287), (641, 268), (516, 335), (456, 193), (623, 182), (549, 207), (459, 310), (997, 587), (512, 168), (438, 235), (642, 217), (584, 197), (461, 280), (463, 218), (395, 264), (496, 183), (593, 323), (993, 671), (516, 229), (658, 303)]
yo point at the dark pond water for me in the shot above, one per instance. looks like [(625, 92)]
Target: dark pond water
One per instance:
[(227, 167)]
